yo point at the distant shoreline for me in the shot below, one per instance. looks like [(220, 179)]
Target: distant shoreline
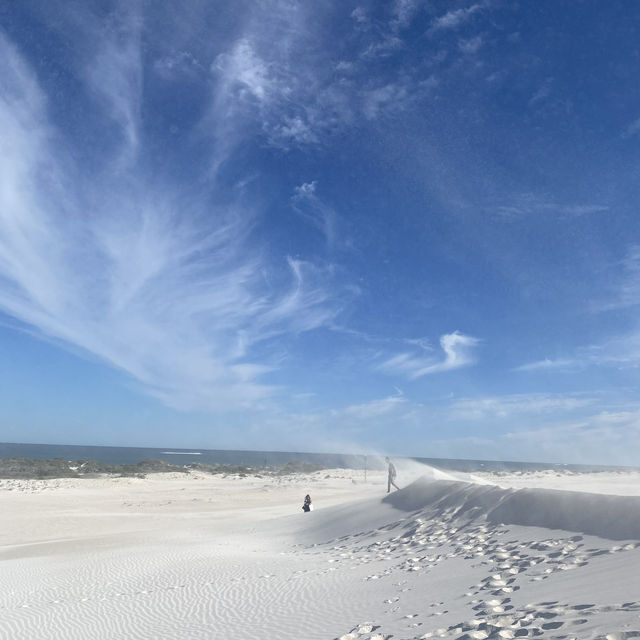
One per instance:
[(53, 468), (215, 457)]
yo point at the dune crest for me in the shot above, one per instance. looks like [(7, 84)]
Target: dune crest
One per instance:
[(607, 516)]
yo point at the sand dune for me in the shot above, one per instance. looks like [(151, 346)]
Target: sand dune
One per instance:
[(204, 557), (614, 517)]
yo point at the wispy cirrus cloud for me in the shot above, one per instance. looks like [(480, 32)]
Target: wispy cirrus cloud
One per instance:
[(548, 364), (307, 204), (580, 428), (404, 12), (470, 46), (275, 80), (374, 408), (602, 437), (265, 80), (541, 93), (632, 129), (524, 205), (621, 352), (177, 65), (454, 19), (509, 406), (626, 290), (380, 100), (161, 286), (113, 73), (458, 352), (266, 93)]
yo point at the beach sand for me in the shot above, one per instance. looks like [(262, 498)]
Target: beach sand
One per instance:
[(544, 554)]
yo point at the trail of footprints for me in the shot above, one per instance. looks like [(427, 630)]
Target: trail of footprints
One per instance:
[(425, 543), (496, 618)]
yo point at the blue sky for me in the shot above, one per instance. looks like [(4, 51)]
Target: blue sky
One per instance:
[(406, 226)]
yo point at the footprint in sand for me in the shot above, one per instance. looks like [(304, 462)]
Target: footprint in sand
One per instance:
[(548, 626), (363, 630)]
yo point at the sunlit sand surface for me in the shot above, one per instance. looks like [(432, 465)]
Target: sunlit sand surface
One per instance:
[(623, 483), (200, 556)]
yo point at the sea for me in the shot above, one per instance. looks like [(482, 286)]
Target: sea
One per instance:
[(132, 455)]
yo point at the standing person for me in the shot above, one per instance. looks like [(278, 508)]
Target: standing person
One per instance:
[(392, 475), (307, 506)]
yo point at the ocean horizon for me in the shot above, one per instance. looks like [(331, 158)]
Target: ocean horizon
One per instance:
[(179, 456)]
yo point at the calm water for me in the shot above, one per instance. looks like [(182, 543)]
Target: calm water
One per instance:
[(130, 455)]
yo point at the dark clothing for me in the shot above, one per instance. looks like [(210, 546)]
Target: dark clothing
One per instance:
[(307, 504)]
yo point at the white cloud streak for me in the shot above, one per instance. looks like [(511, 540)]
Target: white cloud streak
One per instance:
[(374, 408), (458, 352), (632, 130), (114, 74), (275, 81), (526, 204), (470, 46), (604, 437), (517, 405), (178, 65), (155, 284), (627, 289), (547, 364), (454, 19), (621, 352), (307, 204), (618, 351), (404, 12), (260, 83)]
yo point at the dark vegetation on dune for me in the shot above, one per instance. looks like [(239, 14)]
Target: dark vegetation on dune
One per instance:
[(25, 468)]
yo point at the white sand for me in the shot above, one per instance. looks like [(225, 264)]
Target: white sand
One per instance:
[(620, 483), (197, 556)]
